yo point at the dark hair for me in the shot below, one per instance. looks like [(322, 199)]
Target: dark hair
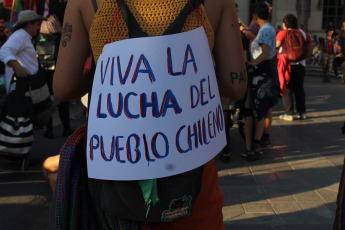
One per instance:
[(334, 34), (261, 10), (290, 21), (22, 26)]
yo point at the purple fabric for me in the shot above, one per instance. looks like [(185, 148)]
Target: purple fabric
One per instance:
[(254, 28)]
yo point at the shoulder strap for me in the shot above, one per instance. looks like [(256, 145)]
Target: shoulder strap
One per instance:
[(304, 34), (134, 28), (94, 4), (91, 76), (175, 27)]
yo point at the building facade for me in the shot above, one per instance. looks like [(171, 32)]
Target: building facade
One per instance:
[(313, 15)]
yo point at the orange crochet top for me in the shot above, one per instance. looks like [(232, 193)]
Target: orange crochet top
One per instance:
[(153, 16)]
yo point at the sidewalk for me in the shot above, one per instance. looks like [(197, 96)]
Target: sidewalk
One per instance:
[(293, 187), (25, 196)]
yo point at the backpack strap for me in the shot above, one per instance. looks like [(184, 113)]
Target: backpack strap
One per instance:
[(177, 25), (95, 6), (91, 76), (135, 30)]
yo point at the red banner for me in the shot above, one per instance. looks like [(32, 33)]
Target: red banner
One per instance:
[(7, 4), (33, 5)]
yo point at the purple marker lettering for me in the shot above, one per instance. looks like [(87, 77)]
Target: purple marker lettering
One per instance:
[(191, 135), (92, 146), (209, 89), (202, 92), (105, 71), (144, 104), (111, 151), (99, 107), (186, 60), (147, 154), (170, 101), (209, 125), (124, 79), (147, 70), (177, 142), (154, 145), (170, 65), (118, 149), (137, 151), (126, 106), (119, 107), (193, 89)]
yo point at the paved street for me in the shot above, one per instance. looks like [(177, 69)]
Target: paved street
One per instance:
[(293, 187)]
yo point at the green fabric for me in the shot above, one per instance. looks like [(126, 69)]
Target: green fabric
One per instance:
[(19, 6), (149, 191)]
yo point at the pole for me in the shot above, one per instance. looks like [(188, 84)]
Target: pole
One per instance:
[(30, 5), (12, 11)]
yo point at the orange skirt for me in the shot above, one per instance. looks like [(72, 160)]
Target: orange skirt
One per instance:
[(207, 211)]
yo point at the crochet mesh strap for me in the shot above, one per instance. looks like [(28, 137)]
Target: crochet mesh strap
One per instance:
[(135, 30)]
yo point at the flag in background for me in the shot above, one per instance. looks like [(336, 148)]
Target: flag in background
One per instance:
[(33, 5), (8, 4), (46, 8), (18, 5)]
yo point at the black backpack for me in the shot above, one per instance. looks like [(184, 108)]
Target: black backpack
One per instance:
[(177, 194)]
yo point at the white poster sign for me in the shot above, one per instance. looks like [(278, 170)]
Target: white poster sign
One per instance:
[(155, 109)]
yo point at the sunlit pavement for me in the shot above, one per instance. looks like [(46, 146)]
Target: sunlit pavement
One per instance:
[(25, 196), (295, 184)]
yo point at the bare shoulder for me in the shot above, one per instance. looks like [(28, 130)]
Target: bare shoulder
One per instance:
[(87, 10), (216, 8)]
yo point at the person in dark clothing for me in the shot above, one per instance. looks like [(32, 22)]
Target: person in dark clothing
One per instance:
[(3, 39), (339, 53), (50, 35), (294, 85)]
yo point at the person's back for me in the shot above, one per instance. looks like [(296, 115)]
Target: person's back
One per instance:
[(292, 82), (69, 82)]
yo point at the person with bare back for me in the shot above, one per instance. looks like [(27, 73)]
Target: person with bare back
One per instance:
[(117, 21)]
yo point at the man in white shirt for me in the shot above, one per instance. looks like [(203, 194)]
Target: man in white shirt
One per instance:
[(18, 53)]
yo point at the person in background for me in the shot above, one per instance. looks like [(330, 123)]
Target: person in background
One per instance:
[(69, 82), (338, 60), (317, 52), (250, 34), (292, 84), (3, 39), (18, 52), (328, 55), (330, 26), (50, 34), (265, 77), (338, 53), (341, 40)]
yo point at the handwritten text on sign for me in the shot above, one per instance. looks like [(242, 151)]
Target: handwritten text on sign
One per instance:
[(155, 109)]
